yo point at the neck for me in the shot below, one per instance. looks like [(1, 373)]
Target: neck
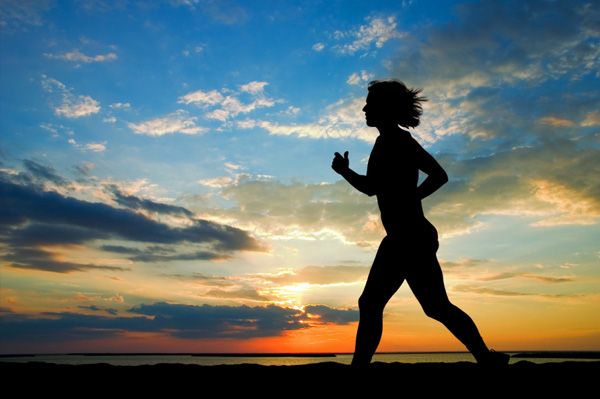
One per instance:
[(388, 129)]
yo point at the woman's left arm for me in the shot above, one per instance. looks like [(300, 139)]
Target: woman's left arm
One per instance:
[(436, 175)]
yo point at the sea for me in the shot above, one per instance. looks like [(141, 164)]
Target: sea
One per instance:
[(285, 359)]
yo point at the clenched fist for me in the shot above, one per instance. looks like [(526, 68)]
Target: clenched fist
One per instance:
[(340, 164)]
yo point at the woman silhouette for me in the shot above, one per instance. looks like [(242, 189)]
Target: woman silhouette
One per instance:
[(408, 252)]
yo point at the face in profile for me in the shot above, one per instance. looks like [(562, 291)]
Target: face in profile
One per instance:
[(375, 112)]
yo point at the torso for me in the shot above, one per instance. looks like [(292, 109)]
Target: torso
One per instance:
[(393, 169)]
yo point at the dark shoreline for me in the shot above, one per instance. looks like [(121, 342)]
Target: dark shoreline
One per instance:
[(465, 379)]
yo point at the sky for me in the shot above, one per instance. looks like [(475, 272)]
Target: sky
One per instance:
[(166, 181)]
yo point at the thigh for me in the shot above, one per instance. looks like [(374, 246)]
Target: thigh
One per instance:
[(386, 274), (427, 281)]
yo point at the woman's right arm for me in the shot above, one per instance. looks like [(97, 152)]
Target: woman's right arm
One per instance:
[(360, 182)]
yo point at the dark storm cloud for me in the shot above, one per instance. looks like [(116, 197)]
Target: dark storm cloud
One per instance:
[(506, 40), (41, 172), (31, 217), (331, 315), (176, 320), (162, 254), (181, 321), (95, 308), (133, 202), (39, 259)]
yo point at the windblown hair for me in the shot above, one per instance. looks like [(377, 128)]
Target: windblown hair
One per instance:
[(401, 104)]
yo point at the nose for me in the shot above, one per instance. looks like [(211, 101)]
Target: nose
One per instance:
[(364, 108)]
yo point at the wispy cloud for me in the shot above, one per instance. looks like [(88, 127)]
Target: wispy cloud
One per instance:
[(359, 78), (319, 275), (530, 276), (17, 15), (227, 13), (342, 119), (510, 293), (375, 33), (94, 147), (177, 122), (225, 104), (120, 105), (78, 56), (318, 47), (72, 106)]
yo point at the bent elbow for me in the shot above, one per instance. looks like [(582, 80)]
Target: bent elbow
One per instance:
[(443, 177)]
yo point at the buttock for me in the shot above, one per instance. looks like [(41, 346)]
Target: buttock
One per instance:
[(421, 239)]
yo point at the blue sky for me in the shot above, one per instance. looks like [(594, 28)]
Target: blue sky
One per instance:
[(210, 126)]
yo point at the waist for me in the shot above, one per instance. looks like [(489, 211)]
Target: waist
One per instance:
[(416, 230)]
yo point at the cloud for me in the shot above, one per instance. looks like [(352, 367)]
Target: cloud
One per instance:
[(342, 119), (237, 293), (155, 254), (500, 292), (571, 205), (40, 259), (175, 320), (226, 104), (72, 106), (254, 87), (84, 168), (463, 263), (17, 15), (32, 218), (375, 33), (318, 47), (359, 78), (119, 105), (552, 192), (200, 97), (591, 119), (490, 43), (40, 173), (486, 76), (319, 275), (530, 276), (96, 147), (331, 315), (217, 182), (302, 211), (136, 203), (177, 122), (78, 56), (554, 121), (225, 12), (94, 308), (77, 107)]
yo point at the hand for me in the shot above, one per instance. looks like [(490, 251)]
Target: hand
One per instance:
[(340, 164)]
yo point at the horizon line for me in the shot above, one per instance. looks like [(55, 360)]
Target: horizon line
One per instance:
[(280, 354)]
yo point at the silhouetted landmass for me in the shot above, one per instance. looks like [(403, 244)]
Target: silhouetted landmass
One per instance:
[(108, 354), (558, 355), (463, 379)]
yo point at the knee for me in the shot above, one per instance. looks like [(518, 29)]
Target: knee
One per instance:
[(369, 305), (437, 311)]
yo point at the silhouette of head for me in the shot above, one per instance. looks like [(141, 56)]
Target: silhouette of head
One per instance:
[(390, 102)]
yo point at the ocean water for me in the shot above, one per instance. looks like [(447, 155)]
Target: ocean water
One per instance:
[(204, 360)]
